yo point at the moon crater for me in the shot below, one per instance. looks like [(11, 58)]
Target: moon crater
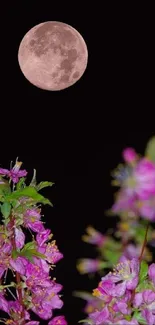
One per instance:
[(53, 56)]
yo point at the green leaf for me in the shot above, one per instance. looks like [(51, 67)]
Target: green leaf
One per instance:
[(28, 192), (15, 254), (19, 221), (110, 256), (37, 254), (127, 317), (143, 271), (5, 221), (28, 255), (21, 183), (82, 294), (86, 321), (5, 209), (140, 319), (29, 250), (150, 149), (30, 245), (144, 286), (140, 233), (105, 265), (43, 184), (1, 198), (4, 187)]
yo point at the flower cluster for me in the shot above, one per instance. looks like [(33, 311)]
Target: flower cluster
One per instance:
[(136, 179), (127, 295), (29, 262), (135, 206)]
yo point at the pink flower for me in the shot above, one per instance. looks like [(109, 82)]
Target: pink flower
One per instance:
[(125, 272), (147, 208), (5, 251), (19, 265), (144, 175), (32, 220), (129, 155), (146, 301), (34, 288), (58, 320), (125, 202), (3, 303), (43, 236), (88, 265), (35, 275), (44, 300), (94, 237), (99, 317), (42, 264), (15, 173), (19, 238), (138, 181), (51, 252), (15, 310), (151, 272)]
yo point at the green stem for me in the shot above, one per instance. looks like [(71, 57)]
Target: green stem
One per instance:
[(144, 243), (7, 286), (141, 254)]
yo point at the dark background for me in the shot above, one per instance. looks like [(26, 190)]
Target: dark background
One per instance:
[(57, 132)]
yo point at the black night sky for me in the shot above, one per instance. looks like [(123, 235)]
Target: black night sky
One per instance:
[(117, 77)]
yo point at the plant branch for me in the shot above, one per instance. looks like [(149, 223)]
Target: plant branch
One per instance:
[(18, 279), (144, 243)]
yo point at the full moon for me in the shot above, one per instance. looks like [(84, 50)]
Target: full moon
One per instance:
[(53, 56)]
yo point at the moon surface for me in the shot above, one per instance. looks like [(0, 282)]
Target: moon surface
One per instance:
[(53, 55)]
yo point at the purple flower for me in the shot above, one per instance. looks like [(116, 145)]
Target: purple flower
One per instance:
[(125, 276), (94, 237), (15, 310), (3, 303), (88, 265), (146, 302), (43, 236), (58, 320), (104, 290), (151, 272), (19, 238), (122, 306), (147, 208), (92, 305), (35, 289), (35, 275), (42, 264), (51, 252), (99, 317), (5, 250), (15, 173), (137, 184), (125, 202), (129, 155), (132, 251), (144, 175), (19, 265), (44, 300), (32, 220)]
